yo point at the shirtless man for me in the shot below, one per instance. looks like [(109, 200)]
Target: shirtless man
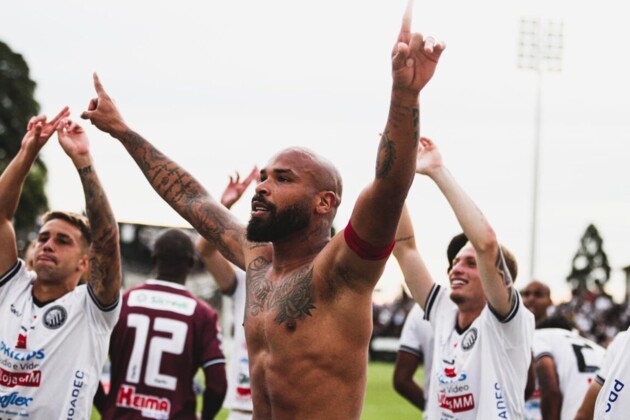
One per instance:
[(309, 296)]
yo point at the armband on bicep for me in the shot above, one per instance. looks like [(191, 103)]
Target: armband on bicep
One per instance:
[(363, 249)]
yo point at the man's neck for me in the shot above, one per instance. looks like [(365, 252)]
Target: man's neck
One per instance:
[(45, 292), (296, 251), (466, 316)]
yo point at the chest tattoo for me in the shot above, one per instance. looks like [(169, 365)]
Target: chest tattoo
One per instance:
[(258, 286), (292, 297)]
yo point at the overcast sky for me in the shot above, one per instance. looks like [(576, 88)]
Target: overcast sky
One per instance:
[(222, 85)]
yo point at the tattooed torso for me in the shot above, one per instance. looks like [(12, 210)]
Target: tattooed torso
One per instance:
[(306, 343)]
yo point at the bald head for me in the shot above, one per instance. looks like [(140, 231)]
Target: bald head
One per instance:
[(323, 174), (537, 298)]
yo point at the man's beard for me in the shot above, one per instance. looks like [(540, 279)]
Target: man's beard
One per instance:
[(279, 224)]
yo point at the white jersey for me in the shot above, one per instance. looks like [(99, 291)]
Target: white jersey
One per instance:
[(576, 359), (51, 355), (417, 338), (613, 400), (239, 394), (481, 372)]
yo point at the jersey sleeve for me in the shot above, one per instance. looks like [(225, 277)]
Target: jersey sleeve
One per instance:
[(410, 339), (540, 345), (17, 274), (104, 316)]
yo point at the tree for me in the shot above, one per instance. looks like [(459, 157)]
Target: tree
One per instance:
[(590, 269), (17, 106)]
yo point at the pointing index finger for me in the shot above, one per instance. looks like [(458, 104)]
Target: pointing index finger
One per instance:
[(98, 86), (405, 29)]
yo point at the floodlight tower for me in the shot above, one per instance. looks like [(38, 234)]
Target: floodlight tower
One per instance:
[(540, 50)]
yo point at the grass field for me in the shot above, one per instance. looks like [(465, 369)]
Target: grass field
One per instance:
[(381, 401)]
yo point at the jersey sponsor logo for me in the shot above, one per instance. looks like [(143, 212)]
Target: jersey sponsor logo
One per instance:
[(444, 378), (162, 301), (12, 379), (55, 317), (14, 399), (500, 403), (469, 339), (77, 384), (21, 356), (613, 395), (457, 403), (149, 405)]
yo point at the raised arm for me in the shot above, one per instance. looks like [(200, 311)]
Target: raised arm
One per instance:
[(12, 179), (221, 269), (174, 184), (414, 270), (376, 213), (496, 280), (105, 275)]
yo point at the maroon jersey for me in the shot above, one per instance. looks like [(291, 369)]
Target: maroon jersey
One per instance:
[(164, 335)]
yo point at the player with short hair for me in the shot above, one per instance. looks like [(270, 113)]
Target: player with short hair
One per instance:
[(164, 336), (54, 333), (482, 333)]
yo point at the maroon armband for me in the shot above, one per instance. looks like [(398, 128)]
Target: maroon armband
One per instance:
[(364, 249)]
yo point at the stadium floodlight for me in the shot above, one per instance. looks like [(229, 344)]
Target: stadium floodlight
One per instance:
[(540, 49)]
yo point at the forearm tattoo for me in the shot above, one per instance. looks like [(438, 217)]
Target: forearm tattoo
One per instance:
[(506, 276), (104, 267), (184, 193), (416, 124), (386, 156), (85, 170)]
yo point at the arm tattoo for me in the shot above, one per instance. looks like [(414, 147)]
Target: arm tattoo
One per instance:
[(85, 170), (386, 156), (104, 269), (416, 123), (294, 297), (506, 276), (258, 286), (184, 194)]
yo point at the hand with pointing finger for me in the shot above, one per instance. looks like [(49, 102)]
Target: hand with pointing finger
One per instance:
[(102, 112), (414, 57)]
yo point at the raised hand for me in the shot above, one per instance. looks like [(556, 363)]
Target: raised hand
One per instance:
[(38, 130), (74, 142), (414, 57), (429, 157), (102, 112), (235, 188)]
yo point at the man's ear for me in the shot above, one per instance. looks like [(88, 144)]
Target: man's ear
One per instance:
[(326, 201), (84, 263)]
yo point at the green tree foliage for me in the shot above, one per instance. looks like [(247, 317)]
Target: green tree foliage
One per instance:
[(17, 106), (590, 269)]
